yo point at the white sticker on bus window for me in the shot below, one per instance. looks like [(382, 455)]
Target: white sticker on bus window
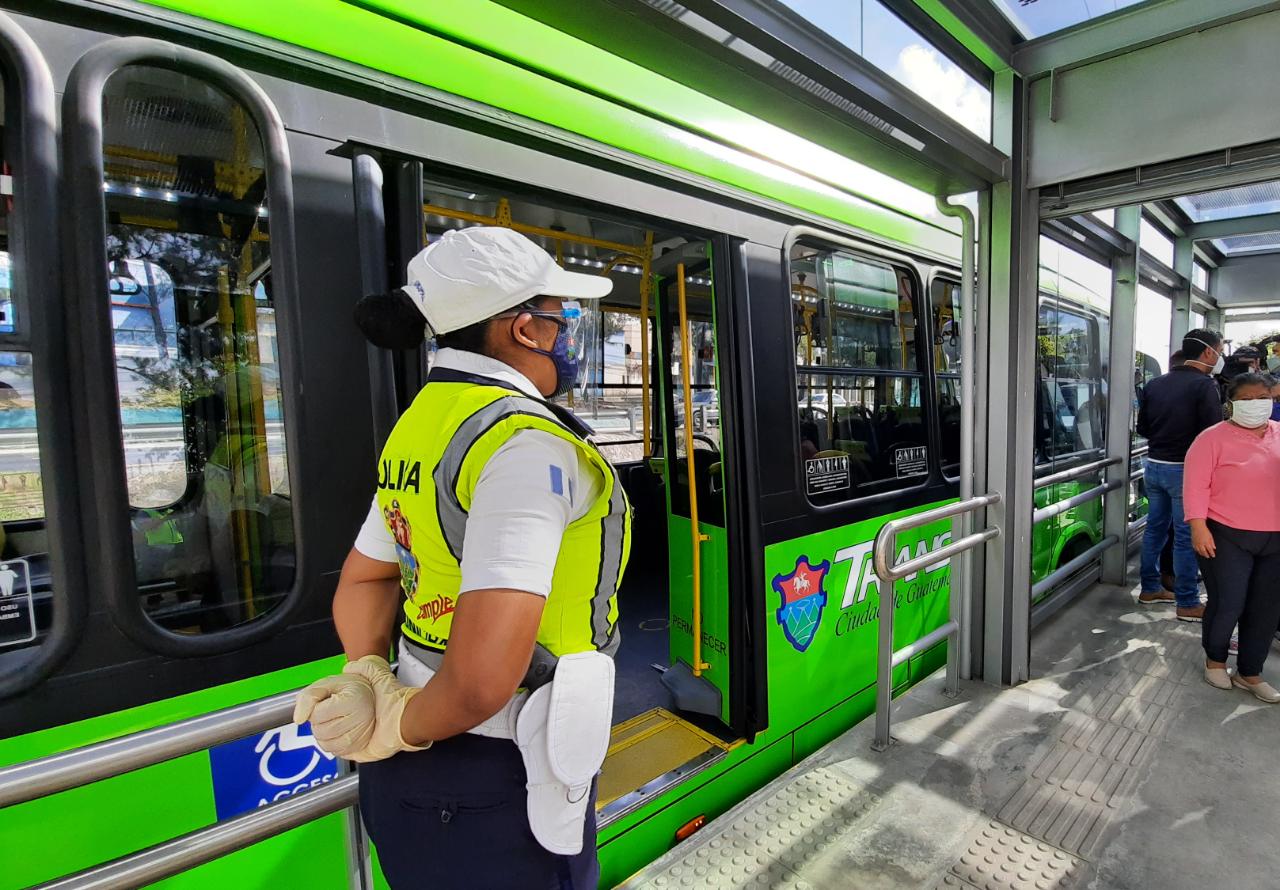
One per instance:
[(826, 473), (912, 461), (17, 603)]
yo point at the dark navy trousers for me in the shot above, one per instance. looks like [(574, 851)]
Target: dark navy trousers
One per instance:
[(1243, 583), (454, 816)]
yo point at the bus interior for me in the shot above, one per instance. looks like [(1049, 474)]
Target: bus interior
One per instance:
[(635, 392)]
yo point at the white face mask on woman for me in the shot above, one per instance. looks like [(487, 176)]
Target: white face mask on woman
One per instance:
[(1250, 413)]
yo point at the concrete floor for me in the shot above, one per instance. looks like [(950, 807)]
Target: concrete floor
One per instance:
[(1117, 767)]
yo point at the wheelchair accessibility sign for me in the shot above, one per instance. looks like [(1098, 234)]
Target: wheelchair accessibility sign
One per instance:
[(261, 769)]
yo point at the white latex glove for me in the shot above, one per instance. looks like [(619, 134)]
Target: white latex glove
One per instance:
[(390, 697), (341, 711)]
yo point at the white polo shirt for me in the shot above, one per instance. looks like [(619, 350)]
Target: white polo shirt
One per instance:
[(517, 515)]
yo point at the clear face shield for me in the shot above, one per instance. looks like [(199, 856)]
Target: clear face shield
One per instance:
[(569, 347)]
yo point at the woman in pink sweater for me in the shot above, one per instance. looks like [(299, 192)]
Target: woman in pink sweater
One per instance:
[(1231, 499)]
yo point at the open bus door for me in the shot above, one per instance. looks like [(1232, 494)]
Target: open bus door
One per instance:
[(685, 723), (698, 677)]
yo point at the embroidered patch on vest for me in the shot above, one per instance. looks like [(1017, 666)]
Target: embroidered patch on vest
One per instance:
[(400, 529)]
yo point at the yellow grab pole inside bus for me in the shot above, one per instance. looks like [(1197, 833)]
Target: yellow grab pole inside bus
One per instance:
[(698, 537), (645, 271)]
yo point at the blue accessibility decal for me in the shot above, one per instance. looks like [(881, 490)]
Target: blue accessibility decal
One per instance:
[(261, 769)]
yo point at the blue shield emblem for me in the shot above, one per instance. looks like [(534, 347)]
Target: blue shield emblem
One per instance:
[(803, 599)]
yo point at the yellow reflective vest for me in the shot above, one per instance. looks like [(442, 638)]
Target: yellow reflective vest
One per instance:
[(426, 479)]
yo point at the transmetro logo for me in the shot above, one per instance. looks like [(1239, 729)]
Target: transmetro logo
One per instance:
[(803, 599), (804, 596)]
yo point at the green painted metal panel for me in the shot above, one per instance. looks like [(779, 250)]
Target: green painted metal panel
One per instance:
[(311, 856), (715, 602), (839, 658), (86, 826)]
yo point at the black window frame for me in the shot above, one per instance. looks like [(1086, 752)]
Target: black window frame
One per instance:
[(901, 264), (949, 276), (40, 329), (86, 228)]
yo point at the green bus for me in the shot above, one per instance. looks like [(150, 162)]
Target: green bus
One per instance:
[(1071, 408), (190, 421)]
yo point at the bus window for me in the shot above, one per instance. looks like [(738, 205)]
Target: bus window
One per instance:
[(611, 392), (1071, 402), (25, 607), (189, 283), (862, 427), (944, 304)]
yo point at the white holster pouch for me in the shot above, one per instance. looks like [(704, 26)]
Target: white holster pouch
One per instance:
[(563, 735)]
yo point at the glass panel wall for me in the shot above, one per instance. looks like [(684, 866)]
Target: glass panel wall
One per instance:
[(869, 29)]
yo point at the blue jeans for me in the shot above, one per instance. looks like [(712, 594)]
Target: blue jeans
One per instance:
[(1163, 483)]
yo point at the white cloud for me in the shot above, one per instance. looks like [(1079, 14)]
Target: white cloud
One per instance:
[(939, 81)]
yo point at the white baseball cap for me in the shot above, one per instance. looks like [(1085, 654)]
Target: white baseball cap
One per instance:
[(468, 275)]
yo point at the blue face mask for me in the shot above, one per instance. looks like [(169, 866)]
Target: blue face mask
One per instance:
[(1275, 411), (566, 352)]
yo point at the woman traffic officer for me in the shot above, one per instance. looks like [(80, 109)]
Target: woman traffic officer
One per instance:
[(497, 537)]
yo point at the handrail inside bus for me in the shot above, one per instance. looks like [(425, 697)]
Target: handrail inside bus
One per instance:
[(695, 529), (646, 275), (883, 550)]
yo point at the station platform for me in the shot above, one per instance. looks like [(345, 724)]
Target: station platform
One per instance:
[(1117, 767)]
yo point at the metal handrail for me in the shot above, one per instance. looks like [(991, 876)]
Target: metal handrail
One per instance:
[(698, 538), (206, 844), (883, 551), (34, 779), (1077, 472), (1071, 566), (1067, 458), (1083, 497)]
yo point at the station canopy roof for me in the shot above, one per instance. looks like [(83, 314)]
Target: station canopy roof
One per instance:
[(1256, 199), (1036, 18)]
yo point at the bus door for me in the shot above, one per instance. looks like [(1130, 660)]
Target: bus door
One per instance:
[(686, 363)]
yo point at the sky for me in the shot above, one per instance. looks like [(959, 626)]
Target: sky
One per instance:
[(880, 37)]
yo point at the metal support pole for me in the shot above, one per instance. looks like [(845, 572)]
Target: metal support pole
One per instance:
[(1010, 322), (1216, 319), (887, 576), (884, 664), (1180, 317), (961, 592), (359, 858), (1124, 294)]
